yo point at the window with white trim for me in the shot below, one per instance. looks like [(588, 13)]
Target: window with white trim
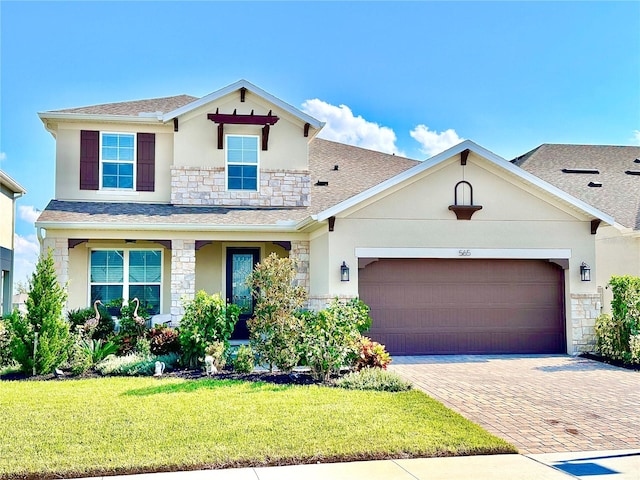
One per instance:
[(127, 274), (117, 160), (242, 162)]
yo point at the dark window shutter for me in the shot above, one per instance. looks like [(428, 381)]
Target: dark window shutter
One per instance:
[(146, 167), (89, 160)]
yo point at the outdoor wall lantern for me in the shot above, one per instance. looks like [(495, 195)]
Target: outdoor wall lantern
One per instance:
[(344, 272), (585, 272)]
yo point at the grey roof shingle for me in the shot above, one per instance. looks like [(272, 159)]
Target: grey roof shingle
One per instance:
[(619, 195), (133, 108), (358, 170)]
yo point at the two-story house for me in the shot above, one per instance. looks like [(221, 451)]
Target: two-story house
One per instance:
[(10, 191), (462, 253)]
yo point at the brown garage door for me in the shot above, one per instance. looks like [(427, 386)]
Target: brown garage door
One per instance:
[(471, 306)]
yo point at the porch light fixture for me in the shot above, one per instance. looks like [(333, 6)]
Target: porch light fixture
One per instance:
[(585, 272), (344, 272)]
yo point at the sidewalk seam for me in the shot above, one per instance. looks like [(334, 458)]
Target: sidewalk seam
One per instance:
[(552, 466), (401, 467)]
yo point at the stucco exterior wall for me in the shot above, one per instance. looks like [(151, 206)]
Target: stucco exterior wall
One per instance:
[(617, 254), (195, 144), (68, 163), (514, 217), (7, 211)]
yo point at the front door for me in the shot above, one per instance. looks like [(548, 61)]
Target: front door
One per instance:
[(240, 263)]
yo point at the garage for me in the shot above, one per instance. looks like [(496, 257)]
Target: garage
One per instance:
[(465, 306)]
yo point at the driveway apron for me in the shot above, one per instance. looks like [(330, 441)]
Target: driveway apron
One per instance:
[(541, 404)]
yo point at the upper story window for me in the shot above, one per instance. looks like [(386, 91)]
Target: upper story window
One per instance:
[(117, 160), (242, 162)]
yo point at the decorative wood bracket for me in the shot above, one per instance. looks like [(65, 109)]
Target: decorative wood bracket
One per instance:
[(463, 156), (306, 129), (284, 244), (251, 119), (74, 242), (594, 225), (464, 212), (332, 223), (243, 92), (175, 124)]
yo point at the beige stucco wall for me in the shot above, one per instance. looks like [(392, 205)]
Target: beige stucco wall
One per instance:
[(68, 163), (416, 215), (617, 254), (195, 144), (7, 211)]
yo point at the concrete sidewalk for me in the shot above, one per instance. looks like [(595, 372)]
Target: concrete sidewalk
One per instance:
[(612, 465)]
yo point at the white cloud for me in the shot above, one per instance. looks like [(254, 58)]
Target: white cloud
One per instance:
[(433, 142), (636, 136), (343, 126), (3, 156), (28, 213), (26, 251)]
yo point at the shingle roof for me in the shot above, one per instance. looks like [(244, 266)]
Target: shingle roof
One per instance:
[(619, 195), (152, 105), (358, 170)]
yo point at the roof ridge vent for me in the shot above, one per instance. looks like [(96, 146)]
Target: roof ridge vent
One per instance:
[(632, 172), (321, 183), (580, 170), (595, 184), (637, 160)]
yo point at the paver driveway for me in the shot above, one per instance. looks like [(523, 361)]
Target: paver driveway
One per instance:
[(541, 404)]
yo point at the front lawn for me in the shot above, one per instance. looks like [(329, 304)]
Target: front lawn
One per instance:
[(123, 425)]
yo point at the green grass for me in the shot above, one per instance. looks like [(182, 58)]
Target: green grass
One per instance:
[(120, 425)]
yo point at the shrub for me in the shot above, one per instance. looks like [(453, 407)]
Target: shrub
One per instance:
[(275, 329), (5, 341), (131, 324), (373, 379), (217, 351), (610, 337), (244, 362), (371, 355), (143, 347), (80, 359), (43, 327), (163, 340), (634, 349), (207, 319), (134, 364), (79, 317), (331, 336)]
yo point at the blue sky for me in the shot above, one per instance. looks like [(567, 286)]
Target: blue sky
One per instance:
[(404, 77)]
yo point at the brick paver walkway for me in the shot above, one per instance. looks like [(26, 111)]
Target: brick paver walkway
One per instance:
[(541, 404)]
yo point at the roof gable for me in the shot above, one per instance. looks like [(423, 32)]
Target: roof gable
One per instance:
[(240, 84), (437, 160)]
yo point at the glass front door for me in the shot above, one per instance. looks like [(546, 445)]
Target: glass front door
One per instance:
[(240, 263)]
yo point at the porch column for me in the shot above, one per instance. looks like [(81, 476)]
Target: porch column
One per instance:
[(300, 252), (60, 250), (183, 276)]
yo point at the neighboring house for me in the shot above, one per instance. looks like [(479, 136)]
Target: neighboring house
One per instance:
[(462, 253), (607, 177), (10, 191)]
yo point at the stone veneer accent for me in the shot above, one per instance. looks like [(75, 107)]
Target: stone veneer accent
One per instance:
[(60, 247), (300, 252), (318, 302), (206, 186), (584, 311), (183, 276)]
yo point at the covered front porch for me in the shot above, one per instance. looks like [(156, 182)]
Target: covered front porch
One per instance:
[(162, 273)]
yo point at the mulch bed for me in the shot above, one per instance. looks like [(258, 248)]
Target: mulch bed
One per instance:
[(615, 363), (277, 378)]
